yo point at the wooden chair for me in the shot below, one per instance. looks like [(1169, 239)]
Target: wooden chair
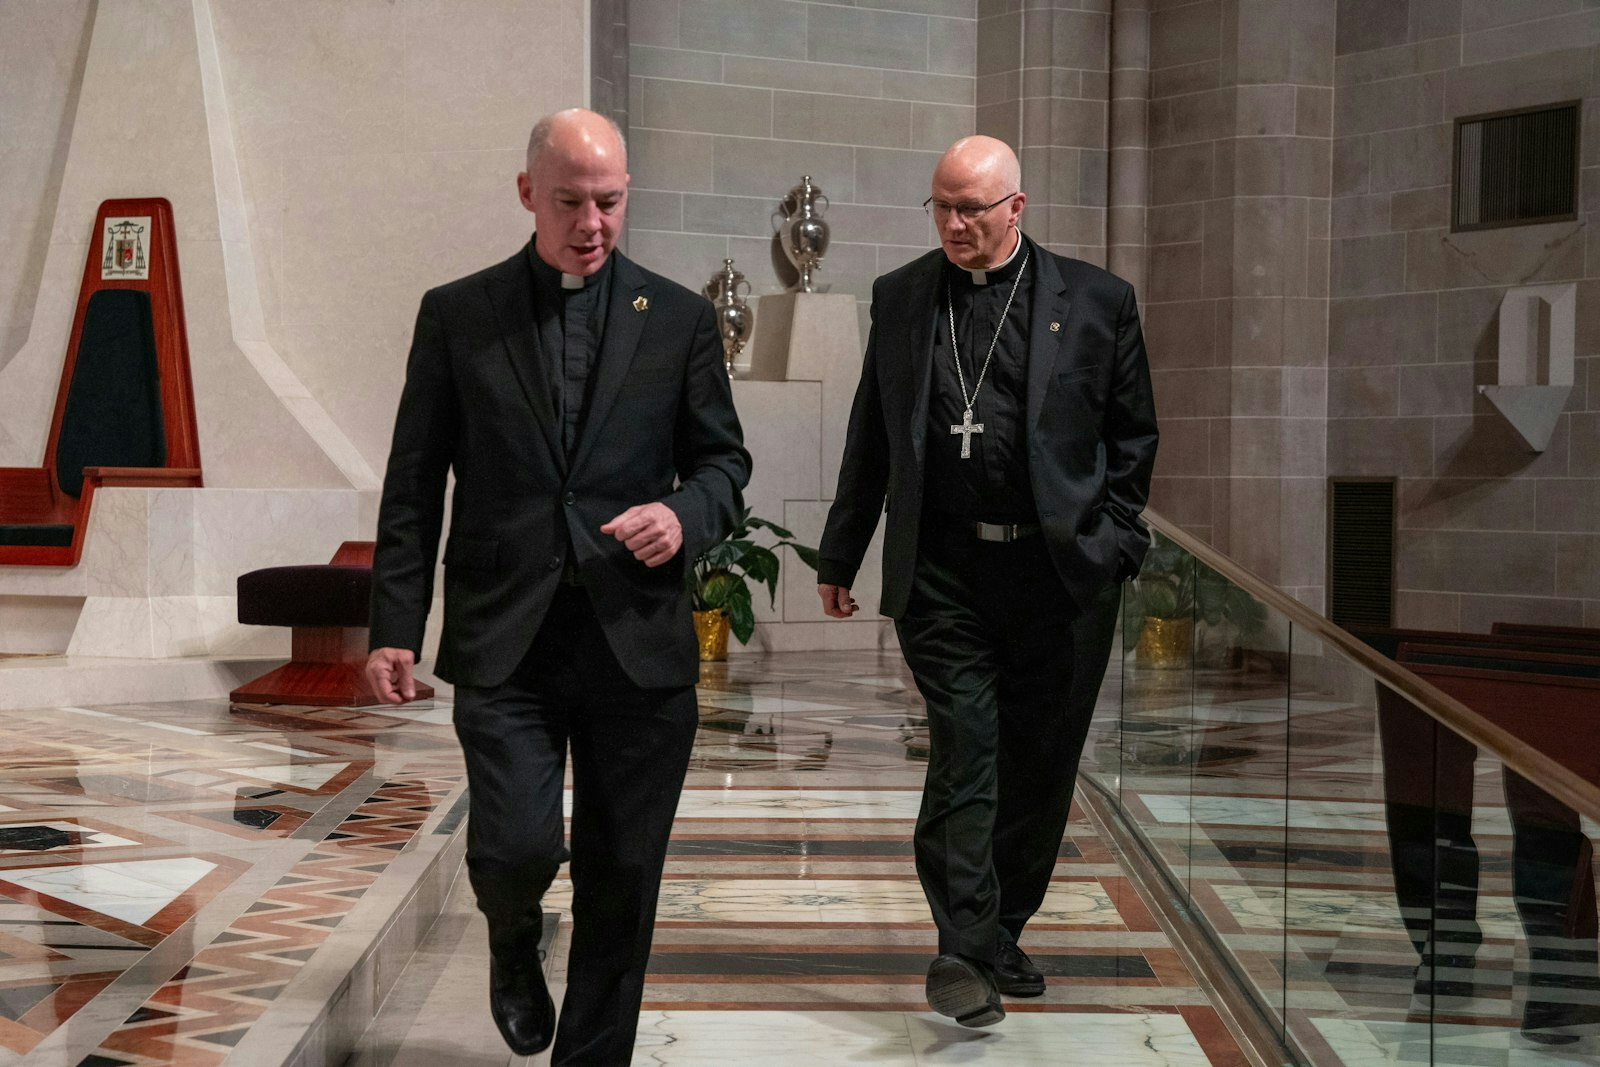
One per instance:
[(124, 412)]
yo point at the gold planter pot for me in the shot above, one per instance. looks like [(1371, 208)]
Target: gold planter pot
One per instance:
[(711, 634), (1166, 644)]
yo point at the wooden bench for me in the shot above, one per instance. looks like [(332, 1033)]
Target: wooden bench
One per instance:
[(1551, 701), (327, 608)]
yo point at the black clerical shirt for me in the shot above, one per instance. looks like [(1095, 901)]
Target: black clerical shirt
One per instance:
[(992, 485), (571, 322)]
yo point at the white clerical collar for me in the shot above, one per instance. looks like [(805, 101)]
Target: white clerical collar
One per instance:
[(571, 281), (981, 277)]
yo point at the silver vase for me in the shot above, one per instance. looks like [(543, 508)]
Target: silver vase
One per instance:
[(734, 318), (804, 233)]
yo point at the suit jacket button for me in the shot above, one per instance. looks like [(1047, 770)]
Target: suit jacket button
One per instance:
[(571, 498), (555, 563)]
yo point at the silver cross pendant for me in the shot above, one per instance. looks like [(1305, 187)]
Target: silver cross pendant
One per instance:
[(966, 430)]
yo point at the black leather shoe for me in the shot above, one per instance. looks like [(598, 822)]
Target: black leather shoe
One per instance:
[(1015, 974), (964, 990), (521, 1005)]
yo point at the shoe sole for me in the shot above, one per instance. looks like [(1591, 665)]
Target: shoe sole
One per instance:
[(961, 994), (1024, 988)]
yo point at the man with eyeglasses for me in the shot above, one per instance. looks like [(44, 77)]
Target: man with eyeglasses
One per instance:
[(1004, 423)]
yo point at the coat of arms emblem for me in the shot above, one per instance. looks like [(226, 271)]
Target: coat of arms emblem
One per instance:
[(125, 256)]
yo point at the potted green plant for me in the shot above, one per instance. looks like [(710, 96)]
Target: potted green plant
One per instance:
[(719, 582), (1226, 617), (1161, 600)]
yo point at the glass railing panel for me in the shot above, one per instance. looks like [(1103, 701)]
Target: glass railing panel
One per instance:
[(1359, 892), (1237, 811), (1157, 704), (1203, 728)]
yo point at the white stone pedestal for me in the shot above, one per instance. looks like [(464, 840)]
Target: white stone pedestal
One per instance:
[(794, 395)]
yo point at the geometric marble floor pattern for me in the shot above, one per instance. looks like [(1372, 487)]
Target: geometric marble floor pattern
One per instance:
[(791, 927), (166, 870)]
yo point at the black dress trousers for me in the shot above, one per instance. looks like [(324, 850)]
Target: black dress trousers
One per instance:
[(1009, 668), (630, 749)]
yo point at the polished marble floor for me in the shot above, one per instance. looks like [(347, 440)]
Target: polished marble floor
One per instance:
[(170, 873)]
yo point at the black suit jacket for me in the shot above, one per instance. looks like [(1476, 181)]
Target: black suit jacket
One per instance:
[(660, 427), (1091, 427)]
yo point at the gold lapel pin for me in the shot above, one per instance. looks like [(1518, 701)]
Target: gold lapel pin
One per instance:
[(640, 303), (1055, 327)]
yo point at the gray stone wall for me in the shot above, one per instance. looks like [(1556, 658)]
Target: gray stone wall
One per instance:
[(608, 59), (1236, 299), (733, 100), (1043, 86), (1488, 529)]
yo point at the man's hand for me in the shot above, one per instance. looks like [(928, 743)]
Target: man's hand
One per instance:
[(836, 602), (389, 671), (650, 531)]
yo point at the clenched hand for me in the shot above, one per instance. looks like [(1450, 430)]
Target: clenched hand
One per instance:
[(650, 531)]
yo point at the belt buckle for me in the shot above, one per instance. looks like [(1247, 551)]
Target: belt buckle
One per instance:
[(991, 531)]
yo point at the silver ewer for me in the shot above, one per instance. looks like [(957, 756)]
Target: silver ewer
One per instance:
[(734, 318), (804, 233)]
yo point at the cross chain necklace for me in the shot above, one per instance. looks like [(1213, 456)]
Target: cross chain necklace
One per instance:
[(966, 428)]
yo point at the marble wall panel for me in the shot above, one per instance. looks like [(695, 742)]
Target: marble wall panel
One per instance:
[(38, 624), (42, 50)]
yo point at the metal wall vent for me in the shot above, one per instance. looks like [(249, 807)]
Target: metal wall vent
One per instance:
[(1361, 552), (1514, 168)]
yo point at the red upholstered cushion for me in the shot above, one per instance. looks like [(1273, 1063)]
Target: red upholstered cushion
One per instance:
[(316, 595)]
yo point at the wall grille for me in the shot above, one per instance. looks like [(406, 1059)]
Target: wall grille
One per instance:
[(1361, 552), (1517, 167)]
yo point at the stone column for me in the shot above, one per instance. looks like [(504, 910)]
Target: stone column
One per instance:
[(1128, 193)]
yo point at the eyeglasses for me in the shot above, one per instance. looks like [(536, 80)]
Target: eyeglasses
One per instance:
[(964, 212)]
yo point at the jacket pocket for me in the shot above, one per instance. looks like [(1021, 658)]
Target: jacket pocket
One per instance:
[(471, 553), (1078, 374)]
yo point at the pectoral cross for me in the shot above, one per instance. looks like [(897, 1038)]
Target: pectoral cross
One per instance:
[(966, 430)]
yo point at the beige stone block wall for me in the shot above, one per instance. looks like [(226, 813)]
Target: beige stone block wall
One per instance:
[(733, 100), (1488, 530)]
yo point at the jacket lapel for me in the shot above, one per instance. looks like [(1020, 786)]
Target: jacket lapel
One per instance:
[(625, 322), (1051, 304), (511, 295)]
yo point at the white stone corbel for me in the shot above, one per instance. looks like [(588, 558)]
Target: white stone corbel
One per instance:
[(1538, 326)]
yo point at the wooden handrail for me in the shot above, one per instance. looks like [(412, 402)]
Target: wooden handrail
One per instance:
[(1559, 781)]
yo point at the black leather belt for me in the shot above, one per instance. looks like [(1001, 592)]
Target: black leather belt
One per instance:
[(994, 531)]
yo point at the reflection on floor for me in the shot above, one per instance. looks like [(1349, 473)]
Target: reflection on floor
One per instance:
[(169, 873), (792, 929)]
